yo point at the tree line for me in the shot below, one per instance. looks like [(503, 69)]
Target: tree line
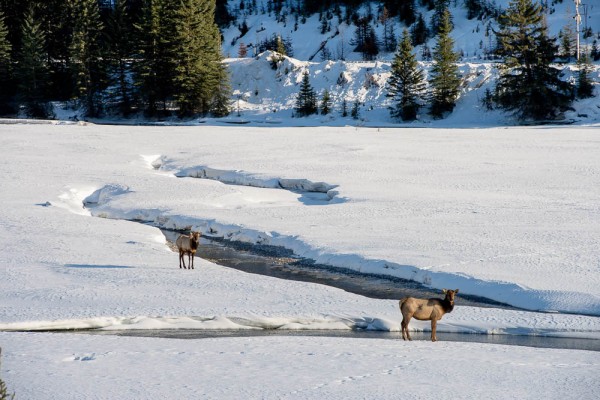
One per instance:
[(158, 57), (163, 57)]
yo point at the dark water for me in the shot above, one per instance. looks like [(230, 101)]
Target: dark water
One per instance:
[(279, 263), (510, 340)]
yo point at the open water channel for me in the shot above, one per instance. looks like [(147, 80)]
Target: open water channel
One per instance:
[(275, 262)]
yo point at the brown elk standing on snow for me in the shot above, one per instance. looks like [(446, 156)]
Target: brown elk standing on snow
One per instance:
[(425, 310), (188, 245)]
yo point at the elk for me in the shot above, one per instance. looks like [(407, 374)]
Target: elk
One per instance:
[(188, 245), (425, 310)]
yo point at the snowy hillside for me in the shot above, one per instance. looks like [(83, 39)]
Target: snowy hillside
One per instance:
[(471, 36), (262, 94)]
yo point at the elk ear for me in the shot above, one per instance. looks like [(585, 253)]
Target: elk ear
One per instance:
[(456, 291), (444, 290)]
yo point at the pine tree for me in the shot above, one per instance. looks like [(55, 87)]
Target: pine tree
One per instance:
[(529, 86), (119, 54), (201, 81), (32, 73), (474, 8), (419, 31), (567, 42), (278, 55), (403, 9), (326, 103), (595, 52), (15, 12), (191, 69), (86, 58), (5, 49), (222, 16), (344, 108), (406, 82), (389, 36), (441, 6), (445, 79), (5, 68), (220, 106), (149, 67), (355, 113), (365, 39), (306, 103), (56, 20), (280, 46), (585, 88)]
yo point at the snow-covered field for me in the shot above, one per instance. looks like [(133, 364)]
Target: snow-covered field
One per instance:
[(508, 213)]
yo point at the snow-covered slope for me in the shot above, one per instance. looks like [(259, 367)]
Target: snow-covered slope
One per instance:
[(265, 95), (262, 94), (472, 37)]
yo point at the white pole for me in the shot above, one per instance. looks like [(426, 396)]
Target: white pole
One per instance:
[(578, 23)]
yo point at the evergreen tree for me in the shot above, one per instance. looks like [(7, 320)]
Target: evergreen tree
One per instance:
[(220, 105), (389, 39), (474, 8), (57, 22), (326, 103), (119, 54), (222, 16), (419, 31), (201, 80), (15, 12), (445, 79), (190, 70), (278, 55), (371, 46), (86, 58), (32, 73), (355, 113), (5, 68), (567, 42), (441, 6), (5, 49), (169, 29), (150, 65), (585, 87), (595, 52), (280, 46), (365, 39), (344, 108), (403, 9), (528, 85), (406, 83), (306, 103)]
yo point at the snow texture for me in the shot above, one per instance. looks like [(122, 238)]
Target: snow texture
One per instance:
[(508, 213)]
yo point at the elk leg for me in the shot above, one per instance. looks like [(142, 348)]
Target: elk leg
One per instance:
[(181, 254), (191, 257), (405, 332), (433, 326)]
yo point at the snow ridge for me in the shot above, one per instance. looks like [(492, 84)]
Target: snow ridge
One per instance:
[(244, 179)]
